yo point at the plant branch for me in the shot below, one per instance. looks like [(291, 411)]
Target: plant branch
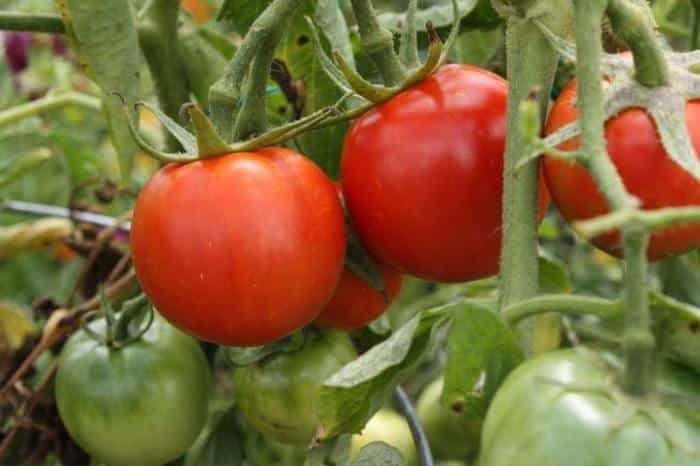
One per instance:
[(48, 103), (633, 22), (225, 94), (157, 30), (562, 303), (252, 117), (529, 68), (649, 220), (378, 43), (31, 22), (638, 340)]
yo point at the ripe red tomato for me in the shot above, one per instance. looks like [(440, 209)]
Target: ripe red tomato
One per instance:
[(199, 9), (355, 303), (422, 176), (241, 249), (646, 170)]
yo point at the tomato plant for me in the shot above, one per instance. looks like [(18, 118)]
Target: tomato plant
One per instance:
[(562, 402), (422, 176), (142, 404), (278, 394), (633, 144), (252, 274)]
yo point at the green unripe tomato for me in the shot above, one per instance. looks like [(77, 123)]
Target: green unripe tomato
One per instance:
[(533, 422), (449, 437), (389, 427), (277, 395), (140, 405)]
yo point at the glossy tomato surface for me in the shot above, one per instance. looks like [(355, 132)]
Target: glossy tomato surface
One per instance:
[(139, 405), (278, 395), (646, 170), (533, 421), (355, 303), (241, 249), (422, 176)]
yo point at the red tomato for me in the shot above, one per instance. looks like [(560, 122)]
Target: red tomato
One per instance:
[(355, 303), (422, 176), (646, 170), (199, 9), (241, 249)]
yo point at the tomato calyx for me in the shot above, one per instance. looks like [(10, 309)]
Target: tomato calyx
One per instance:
[(134, 319), (206, 142), (349, 80)]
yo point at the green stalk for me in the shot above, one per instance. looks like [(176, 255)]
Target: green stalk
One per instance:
[(252, 117), (31, 22), (157, 31), (562, 303), (633, 22), (378, 43), (638, 340), (48, 103), (225, 94), (529, 68)]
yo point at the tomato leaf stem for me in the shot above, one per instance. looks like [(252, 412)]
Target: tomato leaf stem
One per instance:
[(32, 22), (562, 303), (157, 31), (633, 22), (378, 43), (648, 219)]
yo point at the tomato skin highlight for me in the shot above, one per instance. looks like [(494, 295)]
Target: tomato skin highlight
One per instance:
[(355, 303), (533, 422), (646, 169), (242, 249), (422, 176), (140, 405), (277, 395)]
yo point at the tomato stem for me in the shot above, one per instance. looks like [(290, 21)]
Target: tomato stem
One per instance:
[(649, 219), (31, 22), (48, 103), (529, 68), (638, 340), (157, 31), (634, 23), (378, 43), (252, 117), (225, 94), (606, 309), (408, 50)]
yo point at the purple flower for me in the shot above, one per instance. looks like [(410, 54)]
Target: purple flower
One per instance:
[(16, 49)]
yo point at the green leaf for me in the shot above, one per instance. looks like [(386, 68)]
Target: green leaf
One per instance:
[(349, 398), (378, 454), (360, 262), (680, 277), (481, 351), (553, 275), (81, 161), (243, 356), (203, 61), (18, 166), (323, 146), (242, 14), (439, 12), (329, 18), (103, 36), (477, 46), (333, 451)]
